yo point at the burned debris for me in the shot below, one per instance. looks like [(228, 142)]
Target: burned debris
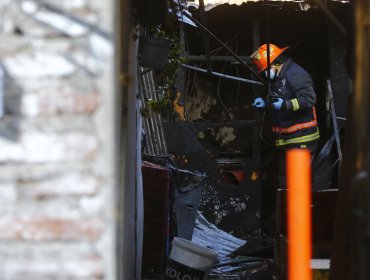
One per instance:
[(211, 128)]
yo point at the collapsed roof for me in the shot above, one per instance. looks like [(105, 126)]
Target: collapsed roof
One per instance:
[(209, 4)]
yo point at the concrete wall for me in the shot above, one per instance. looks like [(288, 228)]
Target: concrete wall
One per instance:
[(57, 148)]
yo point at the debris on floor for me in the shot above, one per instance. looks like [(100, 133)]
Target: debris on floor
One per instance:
[(225, 244), (207, 234)]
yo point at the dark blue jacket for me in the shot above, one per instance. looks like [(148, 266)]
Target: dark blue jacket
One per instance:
[(296, 122)]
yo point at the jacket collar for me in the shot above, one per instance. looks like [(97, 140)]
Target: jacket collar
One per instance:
[(286, 65)]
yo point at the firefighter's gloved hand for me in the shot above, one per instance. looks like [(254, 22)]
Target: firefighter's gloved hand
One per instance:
[(259, 103), (278, 104)]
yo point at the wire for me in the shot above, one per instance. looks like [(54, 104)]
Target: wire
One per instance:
[(227, 42), (219, 97), (238, 91), (218, 93), (261, 131), (237, 73), (194, 90)]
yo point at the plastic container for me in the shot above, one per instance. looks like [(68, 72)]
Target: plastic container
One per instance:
[(189, 260), (153, 52)]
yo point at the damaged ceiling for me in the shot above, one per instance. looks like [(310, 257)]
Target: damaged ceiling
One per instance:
[(209, 4)]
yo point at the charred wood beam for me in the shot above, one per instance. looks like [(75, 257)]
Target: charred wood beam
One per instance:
[(207, 47), (267, 17), (223, 75), (331, 16), (340, 68), (334, 119), (226, 47), (256, 34), (350, 247)]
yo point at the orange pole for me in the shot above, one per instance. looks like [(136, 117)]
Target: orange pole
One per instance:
[(299, 214)]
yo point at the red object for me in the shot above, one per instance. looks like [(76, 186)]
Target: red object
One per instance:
[(234, 176), (156, 186)]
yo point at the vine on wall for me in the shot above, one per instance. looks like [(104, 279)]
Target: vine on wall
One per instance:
[(165, 79)]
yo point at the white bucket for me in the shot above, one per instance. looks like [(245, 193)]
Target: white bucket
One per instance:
[(189, 261)]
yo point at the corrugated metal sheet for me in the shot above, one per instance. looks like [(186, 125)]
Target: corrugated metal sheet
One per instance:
[(209, 4), (155, 141)]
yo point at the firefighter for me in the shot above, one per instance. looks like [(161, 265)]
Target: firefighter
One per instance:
[(291, 103)]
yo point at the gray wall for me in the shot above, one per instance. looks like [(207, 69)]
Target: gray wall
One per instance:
[(57, 140)]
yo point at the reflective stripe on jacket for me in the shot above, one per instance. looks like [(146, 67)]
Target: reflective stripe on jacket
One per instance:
[(296, 127), (299, 139)]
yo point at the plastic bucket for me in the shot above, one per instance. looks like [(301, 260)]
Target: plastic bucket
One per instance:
[(189, 261)]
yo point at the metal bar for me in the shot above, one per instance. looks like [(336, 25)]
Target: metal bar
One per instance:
[(145, 71), (223, 75), (154, 118), (153, 123), (160, 136), (226, 47), (334, 118), (147, 121), (205, 36), (330, 15), (215, 58), (341, 118), (256, 34), (267, 11), (267, 16)]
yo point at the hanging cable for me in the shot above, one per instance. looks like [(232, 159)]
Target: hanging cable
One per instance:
[(218, 92), (223, 44), (237, 73), (268, 85)]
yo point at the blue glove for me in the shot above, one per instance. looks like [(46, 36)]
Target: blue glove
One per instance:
[(278, 104), (259, 103)]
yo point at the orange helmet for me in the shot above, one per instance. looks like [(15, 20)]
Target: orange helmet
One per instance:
[(259, 57)]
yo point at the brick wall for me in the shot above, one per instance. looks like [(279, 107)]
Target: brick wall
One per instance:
[(57, 140)]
